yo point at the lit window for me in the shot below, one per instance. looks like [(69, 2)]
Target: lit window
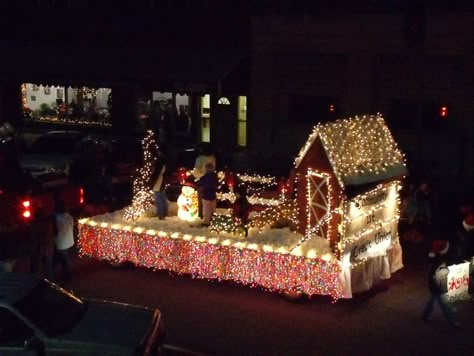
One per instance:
[(206, 118), (61, 104), (242, 122), (223, 101)]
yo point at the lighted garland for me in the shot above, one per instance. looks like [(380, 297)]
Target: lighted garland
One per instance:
[(252, 199), (267, 180), (71, 120), (142, 194), (285, 211), (23, 97)]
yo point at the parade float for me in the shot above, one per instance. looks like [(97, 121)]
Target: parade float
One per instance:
[(331, 231)]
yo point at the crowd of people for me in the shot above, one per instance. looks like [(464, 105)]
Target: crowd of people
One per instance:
[(168, 122)]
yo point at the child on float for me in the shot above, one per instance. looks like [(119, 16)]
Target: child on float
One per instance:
[(241, 206)]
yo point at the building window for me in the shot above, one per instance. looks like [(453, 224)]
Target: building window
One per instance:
[(242, 121), (71, 105), (206, 118), (223, 101)]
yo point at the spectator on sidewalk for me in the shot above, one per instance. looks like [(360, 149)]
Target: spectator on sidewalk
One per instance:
[(466, 246), (417, 208), (465, 239), (64, 239), (438, 283), (42, 235)]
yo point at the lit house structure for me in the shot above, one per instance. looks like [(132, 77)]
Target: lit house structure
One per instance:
[(347, 183)]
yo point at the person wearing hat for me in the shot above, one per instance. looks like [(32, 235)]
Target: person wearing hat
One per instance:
[(468, 236), (467, 246), (438, 282)]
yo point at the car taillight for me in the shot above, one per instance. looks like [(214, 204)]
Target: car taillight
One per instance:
[(81, 195), (26, 209)]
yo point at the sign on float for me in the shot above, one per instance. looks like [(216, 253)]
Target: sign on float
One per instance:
[(372, 223)]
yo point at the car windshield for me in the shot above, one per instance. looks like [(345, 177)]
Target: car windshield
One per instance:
[(51, 309), (56, 144)]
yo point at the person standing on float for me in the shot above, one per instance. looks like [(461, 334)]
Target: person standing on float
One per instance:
[(159, 187), (208, 193)]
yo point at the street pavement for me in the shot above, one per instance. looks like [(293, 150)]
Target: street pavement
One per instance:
[(225, 318)]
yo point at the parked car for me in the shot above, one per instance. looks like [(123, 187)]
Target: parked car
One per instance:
[(51, 154), (7, 132), (20, 197), (37, 317)]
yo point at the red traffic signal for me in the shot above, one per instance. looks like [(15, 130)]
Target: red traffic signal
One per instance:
[(443, 111)]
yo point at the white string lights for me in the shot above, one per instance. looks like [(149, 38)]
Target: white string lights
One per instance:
[(142, 194), (360, 149), (375, 210)]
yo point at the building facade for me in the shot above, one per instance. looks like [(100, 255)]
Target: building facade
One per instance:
[(255, 74), (416, 68)]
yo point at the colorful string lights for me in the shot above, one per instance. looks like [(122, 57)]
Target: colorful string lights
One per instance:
[(203, 258)]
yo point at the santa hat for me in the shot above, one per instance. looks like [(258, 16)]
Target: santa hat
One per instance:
[(468, 222), (438, 248), (189, 184)]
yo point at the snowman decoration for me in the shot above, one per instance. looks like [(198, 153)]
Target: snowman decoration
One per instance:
[(188, 204)]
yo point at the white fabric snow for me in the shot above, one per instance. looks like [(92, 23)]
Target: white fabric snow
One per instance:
[(276, 240)]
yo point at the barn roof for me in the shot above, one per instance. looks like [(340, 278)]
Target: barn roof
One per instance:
[(361, 150)]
